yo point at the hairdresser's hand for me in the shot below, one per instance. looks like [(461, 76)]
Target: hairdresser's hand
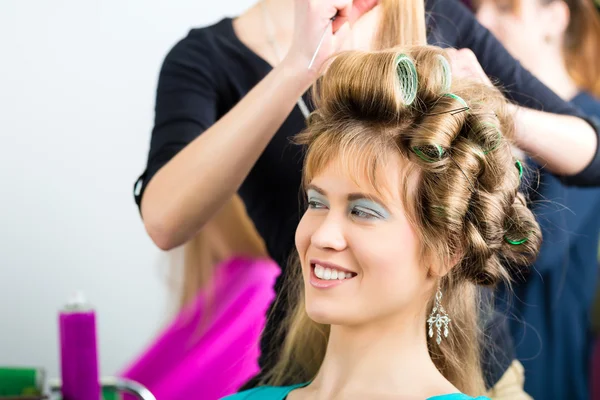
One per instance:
[(360, 8), (466, 66), (312, 18), (364, 30)]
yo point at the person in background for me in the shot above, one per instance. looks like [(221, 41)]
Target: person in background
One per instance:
[(229, 234), (559, 42), (211, 346), (231, 95)]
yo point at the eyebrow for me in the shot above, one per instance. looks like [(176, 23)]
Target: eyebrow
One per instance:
[(351, 196)]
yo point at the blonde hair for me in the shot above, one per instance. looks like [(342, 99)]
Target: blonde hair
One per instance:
[(228, 234), (462, 198), (402, 23)]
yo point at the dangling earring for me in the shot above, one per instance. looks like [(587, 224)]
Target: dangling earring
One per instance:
[(438, 317)]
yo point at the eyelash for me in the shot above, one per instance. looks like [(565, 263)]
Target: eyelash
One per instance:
[(364, 214), (315, 205)]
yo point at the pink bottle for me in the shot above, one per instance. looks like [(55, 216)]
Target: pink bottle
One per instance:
[(78, 351)]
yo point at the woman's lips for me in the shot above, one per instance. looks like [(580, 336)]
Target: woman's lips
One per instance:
[(324, 276)]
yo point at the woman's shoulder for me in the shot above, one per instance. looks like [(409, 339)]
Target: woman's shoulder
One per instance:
[(280, 393), (264, 393), (457, 396), (205, 39)]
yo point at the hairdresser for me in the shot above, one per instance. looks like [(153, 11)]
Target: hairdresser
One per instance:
[(230, 95), (559, 42)]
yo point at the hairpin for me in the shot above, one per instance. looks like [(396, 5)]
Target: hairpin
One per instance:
[(451, 112)]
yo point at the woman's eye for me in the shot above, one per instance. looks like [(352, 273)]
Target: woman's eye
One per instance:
[(363, 213), (315, 204)]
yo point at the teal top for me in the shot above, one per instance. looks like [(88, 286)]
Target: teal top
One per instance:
[(281, 392)]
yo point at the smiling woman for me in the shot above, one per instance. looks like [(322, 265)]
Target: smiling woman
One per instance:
[(412, 204)]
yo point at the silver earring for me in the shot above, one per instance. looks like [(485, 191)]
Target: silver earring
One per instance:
[(438, 317)]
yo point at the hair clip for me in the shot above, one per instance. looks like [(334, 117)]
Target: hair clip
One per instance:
[(520, 168), (408, 78), (515, 242), (446, 72), (425, 153)]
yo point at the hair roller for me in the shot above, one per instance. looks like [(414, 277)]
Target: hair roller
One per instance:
[(429, 153), (408, 78), (519, 167), (457, 98), (446, 72)]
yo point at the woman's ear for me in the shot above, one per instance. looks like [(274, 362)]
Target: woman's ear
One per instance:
[(441, 266)]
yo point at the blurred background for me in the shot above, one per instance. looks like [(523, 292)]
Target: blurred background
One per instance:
[(73, 95)]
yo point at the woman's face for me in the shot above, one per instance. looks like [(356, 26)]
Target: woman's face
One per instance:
[(360, 256), (524, 33)]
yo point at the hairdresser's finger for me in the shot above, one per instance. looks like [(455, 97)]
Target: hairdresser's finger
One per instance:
[(365, 29), (342, 36), (343, 11), (360, 8), (465, 65)]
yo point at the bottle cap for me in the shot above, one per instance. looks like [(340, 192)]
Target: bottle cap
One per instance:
[(77, 302)]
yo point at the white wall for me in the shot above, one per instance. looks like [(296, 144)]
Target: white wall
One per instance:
[(77, 84)]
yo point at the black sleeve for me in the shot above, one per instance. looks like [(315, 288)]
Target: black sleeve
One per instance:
[(455, 25), (186, 105), (498, 350)]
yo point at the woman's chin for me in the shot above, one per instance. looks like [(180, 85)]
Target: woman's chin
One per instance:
[(328, 314)]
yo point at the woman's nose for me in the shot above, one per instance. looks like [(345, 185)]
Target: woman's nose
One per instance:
[(330, 234)]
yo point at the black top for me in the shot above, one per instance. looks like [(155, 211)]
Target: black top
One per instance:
[(551, 323), (209, 71)]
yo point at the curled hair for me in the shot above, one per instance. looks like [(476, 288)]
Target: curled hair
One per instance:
[(460, 188)]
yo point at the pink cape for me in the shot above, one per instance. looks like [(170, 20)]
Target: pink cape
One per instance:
[(212, 347)]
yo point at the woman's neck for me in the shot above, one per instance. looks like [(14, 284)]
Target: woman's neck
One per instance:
[(281, 16), (553, 73), (281, 10), (267, 29), (385, 357)]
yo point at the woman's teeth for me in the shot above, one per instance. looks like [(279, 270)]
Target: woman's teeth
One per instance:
[(330, 274)]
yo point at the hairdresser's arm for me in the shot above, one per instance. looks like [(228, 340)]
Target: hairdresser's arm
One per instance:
[(195, 181), (566, 144), (194, 184)]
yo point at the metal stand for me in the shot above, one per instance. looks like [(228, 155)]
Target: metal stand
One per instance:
[(121, 385)]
